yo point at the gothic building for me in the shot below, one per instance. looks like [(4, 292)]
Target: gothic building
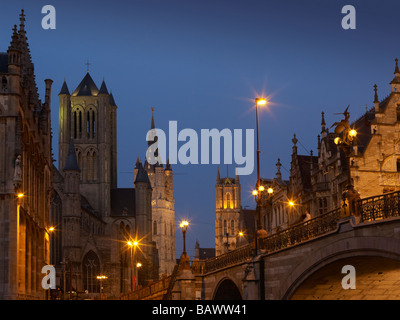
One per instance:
[(316, 183), (25, 172), (234, 226), (163, 209), (93, 218)]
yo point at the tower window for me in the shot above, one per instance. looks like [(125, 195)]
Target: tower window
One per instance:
[(154, 227), (398, 165), (398, 112)]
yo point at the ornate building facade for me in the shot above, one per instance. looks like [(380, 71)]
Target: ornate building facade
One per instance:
[(25, 173), (316, 183), (93, 218)]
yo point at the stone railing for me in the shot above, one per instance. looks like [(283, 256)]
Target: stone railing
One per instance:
[(303, 231), (283, 239), (380, 207), (157, 288), (239, 255)]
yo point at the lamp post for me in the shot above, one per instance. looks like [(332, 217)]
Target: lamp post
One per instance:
[(259, 188), (101, 278), (346, 143), (184, 225), (132, 244)]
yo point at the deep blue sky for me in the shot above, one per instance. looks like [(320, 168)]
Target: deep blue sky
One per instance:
[(202, 63)]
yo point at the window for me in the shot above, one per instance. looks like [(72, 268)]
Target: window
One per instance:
[(228, 200), (322, 205), (398, 165), (154, 227), (91, 269), (232, 227), (225, 227), (398, 112)]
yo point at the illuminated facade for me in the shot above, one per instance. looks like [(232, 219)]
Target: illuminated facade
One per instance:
[(228, 207), (95, 219), (163, 211), (25, 173)]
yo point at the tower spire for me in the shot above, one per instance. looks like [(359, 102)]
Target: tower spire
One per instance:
[(22, 21), (376, 93)]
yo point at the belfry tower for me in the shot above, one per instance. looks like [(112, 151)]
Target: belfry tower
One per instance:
[(228, 206)]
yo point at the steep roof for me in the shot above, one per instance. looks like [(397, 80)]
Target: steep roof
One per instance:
[(87, 87), (142, 175), (64, 89), (72, 163), (103, 88)]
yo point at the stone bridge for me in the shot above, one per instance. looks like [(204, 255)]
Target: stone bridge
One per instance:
[(305, 261)]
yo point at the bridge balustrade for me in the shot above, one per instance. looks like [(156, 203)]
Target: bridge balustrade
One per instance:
[(380, 207)]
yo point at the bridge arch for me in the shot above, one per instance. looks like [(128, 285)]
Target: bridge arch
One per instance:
[(345, 251), (227, 289)]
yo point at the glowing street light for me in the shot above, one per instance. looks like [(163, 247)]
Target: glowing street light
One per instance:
[(184, 225), (133, 244)]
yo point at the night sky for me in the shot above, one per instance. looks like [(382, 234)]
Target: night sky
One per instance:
[(202, 63)]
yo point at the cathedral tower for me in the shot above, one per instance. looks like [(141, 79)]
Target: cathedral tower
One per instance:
[(228, 207), (88, 116)]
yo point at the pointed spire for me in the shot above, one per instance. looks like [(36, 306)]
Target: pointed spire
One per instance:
[(294, 140), (278, 169), (376, 94), (112, 101), (64, 89), (396, 79), (152, 119), (138, 162), (72, 163), (323, 122), (103, 88), (168, 165), (218, 176), (22, 21)]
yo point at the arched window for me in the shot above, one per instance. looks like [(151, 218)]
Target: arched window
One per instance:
[(154, 227), (232, 227), (228, 200), (225, 227), (93, 124), (88, 125), (91, 269)]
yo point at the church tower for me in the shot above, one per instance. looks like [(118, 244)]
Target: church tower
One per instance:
[(228, 207), (88, 116), (163, 209)]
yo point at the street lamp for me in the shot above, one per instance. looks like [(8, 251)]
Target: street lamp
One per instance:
[(346, 143), (259, 188), (184, 225), (133, 244), (101, 278)]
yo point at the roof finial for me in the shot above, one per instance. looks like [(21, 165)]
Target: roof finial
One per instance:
[(323, 121), (22, 20), (376, 93), (396, 70), (87, 66), (152, 118)]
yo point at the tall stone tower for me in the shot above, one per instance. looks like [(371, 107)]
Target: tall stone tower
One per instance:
[(163, 210), (228, 207), (88, 115), (26, 172)]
